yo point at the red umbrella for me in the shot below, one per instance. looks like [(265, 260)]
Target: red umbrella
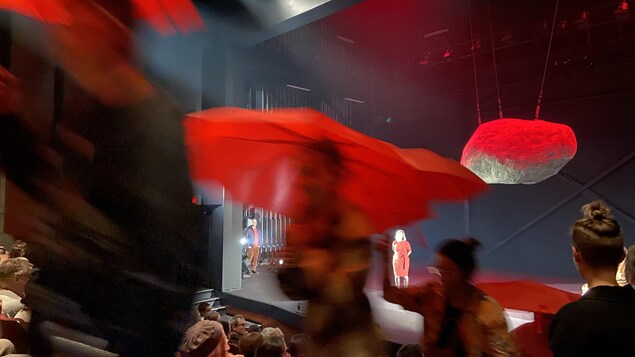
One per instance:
[(528, 295), (165, 15), (251, 153), (442, 178)]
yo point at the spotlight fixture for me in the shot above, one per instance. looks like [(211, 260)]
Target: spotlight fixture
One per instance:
[(448, 53), (476, 44), (622, 7), (584, 17), (425, 59)]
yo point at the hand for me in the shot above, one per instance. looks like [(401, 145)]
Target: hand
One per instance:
[(10, 93)]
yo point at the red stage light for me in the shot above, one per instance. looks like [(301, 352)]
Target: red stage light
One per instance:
[(624, 6), (516, 151), (425, 59), (448, 53)]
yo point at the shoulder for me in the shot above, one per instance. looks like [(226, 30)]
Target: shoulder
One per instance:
[(490, 312)]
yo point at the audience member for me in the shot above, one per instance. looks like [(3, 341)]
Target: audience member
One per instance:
[(238, 328), (298, 345), (271, 332), (204, 339), (410, 351), (14, 275), (459, 319), (327, 257), (212, 316), (255, 328), (203, 309), (630, 266), (271, 347), (602, 322), (249, 343), (18, 249)]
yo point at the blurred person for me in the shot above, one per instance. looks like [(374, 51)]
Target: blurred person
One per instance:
[(255, 328), (327, 257), (15, 273), (602, 322), (7, 347), (271, 332), (271, 347), (254, 238), (249, 343), (18, 249), (532, 339), (401, 258), (459, 319), (630, 266), (226, 328), (298, 345), (204, 339), (204, 308), (114, 226), (212, 316), (238, 328), (411, 350), (3, 254)]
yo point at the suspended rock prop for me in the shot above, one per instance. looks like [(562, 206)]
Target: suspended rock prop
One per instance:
[(514, 151)]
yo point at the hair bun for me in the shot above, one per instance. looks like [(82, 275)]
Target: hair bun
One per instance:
[(472, 242), (597, 210)]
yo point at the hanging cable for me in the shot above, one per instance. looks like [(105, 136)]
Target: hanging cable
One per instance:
[(478, 100), (498, 92), (544, 73)]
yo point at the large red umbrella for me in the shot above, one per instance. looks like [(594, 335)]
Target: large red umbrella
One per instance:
[(251, 153), (528, 295), (167, 16), (442, 178)]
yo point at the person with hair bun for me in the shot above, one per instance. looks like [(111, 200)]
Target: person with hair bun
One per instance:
[(602, 322), (459, 319)]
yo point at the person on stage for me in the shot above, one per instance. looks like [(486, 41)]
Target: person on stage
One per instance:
[(401, 258), (254, 238)]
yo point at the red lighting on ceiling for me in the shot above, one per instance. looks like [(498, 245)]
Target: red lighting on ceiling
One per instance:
[(622, 7), (448, 53), (584, 17)]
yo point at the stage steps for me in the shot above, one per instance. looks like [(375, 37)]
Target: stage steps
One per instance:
[(209, 296)]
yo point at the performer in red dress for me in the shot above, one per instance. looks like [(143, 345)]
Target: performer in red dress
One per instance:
[(401, 258)]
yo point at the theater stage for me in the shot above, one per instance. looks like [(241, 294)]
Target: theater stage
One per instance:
[(260, 293)]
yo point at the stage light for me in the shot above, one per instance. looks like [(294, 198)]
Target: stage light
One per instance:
[(622, 7), (448, 53), (243, 241), (280, 261), (476, 44), (197, 200), (425, 59), (563, 24), (584, 17)]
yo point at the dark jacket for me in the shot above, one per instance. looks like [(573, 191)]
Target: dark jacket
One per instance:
[(601, 323)]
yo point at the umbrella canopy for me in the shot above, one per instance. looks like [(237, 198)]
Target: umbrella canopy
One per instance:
[(167, 16), (252, 154), (442, 178), (528, 295)]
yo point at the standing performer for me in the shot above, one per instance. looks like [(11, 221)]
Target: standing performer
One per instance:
[(254, 237), (401, 258)]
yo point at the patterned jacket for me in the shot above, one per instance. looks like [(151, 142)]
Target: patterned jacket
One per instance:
[(482, 327)]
